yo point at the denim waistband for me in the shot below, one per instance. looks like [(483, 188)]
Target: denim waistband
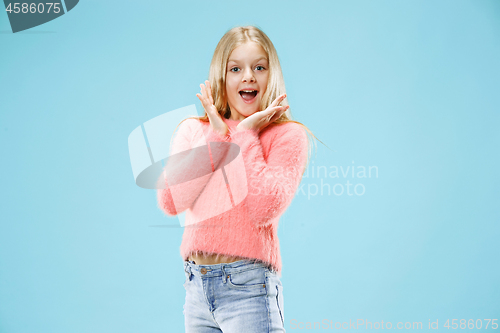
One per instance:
[(223, 268)]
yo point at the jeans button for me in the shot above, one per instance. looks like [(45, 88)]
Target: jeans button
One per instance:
[(203, 270)]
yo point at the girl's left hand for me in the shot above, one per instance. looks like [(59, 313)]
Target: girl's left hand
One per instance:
[(260, 119)]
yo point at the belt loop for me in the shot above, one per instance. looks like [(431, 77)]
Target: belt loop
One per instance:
[(224, 278), (187, 269)]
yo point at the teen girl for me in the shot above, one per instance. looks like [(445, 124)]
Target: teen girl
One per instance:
[(231, 249)]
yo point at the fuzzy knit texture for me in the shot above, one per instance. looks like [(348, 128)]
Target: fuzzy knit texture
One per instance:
[(272, 163)]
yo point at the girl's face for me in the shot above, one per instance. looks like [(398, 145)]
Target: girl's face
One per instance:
[(246, 79)]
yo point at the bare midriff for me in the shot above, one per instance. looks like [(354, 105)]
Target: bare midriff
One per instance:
[(212, 259)]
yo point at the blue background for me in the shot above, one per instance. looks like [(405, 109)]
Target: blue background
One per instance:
[(408, 87)]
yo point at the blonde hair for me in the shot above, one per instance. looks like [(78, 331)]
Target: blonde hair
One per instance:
[(275, 85)]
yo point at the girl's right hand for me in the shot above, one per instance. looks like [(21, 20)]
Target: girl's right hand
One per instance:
[(218, 125)]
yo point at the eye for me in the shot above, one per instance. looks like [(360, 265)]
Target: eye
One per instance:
[(262, 68), (233, 69)]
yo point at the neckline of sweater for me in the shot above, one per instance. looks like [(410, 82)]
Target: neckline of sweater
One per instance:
[(232, 123), (232, 120)]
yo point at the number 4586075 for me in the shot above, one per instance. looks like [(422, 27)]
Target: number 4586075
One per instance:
[(33, 7), (471, 324)]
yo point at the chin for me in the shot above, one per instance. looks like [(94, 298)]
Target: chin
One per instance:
[(248, 110), (247, 114)]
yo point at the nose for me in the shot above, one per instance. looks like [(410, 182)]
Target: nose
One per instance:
[(248, 76)]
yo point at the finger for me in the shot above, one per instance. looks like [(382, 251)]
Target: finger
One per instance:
[(203, 91), (283, 111), (282, 97), (209, 88), (208, 99), (268, 115), (278, 100), (202, 100), (269, 112), (278, 111), (275, 102), (201, 97)]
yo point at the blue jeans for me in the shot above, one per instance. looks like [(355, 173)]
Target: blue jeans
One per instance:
[(242, 296)]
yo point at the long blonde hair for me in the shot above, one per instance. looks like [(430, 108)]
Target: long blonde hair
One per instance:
[(275, 85)]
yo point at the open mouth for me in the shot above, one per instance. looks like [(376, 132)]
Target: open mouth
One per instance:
[(248, 95)]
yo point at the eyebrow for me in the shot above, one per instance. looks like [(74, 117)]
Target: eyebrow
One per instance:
[(261, 58)]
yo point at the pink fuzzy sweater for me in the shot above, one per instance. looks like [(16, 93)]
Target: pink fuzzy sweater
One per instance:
[(234, 189)]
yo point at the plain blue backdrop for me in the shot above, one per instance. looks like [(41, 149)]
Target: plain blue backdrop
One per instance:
[(409, 88)]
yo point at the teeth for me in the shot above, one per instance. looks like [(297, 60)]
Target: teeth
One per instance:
[(248, 91)]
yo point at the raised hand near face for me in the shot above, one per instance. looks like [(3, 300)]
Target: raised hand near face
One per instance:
[(218, 125), (260, 119)]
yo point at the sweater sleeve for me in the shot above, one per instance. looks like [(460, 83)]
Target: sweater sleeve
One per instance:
[(272, 181), (188, 168)]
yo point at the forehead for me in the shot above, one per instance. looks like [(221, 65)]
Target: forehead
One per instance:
[(249, 51)]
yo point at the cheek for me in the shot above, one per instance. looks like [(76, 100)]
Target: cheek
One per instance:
[(231, 93), (231, 87), (263, 82)]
